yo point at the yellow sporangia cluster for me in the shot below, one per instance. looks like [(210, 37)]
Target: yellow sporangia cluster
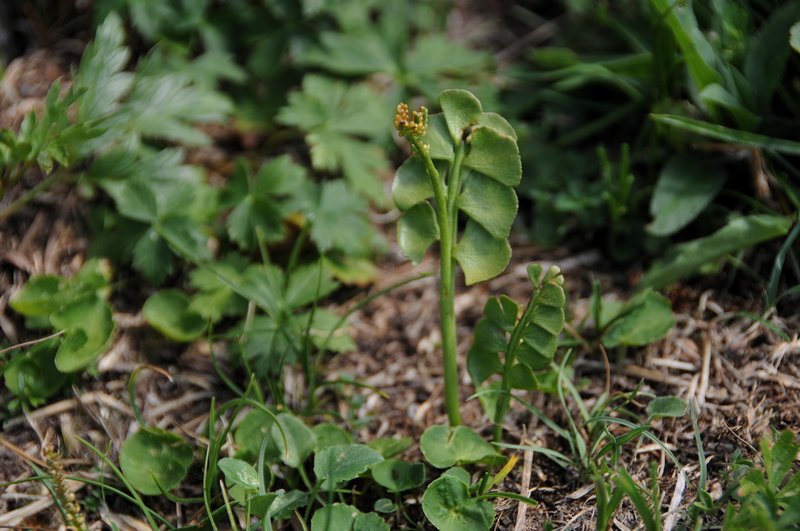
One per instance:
[(411, 125), (75, 519)]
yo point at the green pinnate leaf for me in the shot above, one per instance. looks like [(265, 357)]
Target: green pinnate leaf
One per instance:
[(495, 155), (411, 184), (417, 230), (490, 203), (461, 111), (480, 255)]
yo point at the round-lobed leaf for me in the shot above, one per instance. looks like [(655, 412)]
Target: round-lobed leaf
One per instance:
[(461, 111), (490, 203), (444, 446), (495, 155), (33, 374), (343, 462), (411, 184), (251, 432), (168, 312), (446, 503), (152, 457), (89, 325), (480, 255), (417, 230), (39, 297), (397, 476)]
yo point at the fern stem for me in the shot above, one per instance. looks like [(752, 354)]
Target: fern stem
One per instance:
[(447, 314)]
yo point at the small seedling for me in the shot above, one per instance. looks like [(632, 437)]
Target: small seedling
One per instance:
[(464, 161)]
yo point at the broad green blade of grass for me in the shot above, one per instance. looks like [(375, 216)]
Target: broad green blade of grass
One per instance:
[(738, 234), (727, 134)]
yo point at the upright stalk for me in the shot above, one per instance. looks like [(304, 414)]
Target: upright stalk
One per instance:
[(445, 216)]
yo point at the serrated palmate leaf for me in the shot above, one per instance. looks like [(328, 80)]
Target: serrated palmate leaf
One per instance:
[(536, 332), (339, 221)]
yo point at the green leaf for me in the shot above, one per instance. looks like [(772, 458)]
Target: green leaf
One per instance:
[(89, 326), (286, 503), (417, 230), (39, 297), (697, 52), (411, 184), (740, 233), (480, 255), (666, 406), (726, 134), (168, 312), (766, 56), (444, 446), (308, 283), (250, 432), (152, 457), (342, 517), (390, 446), (685, 187), (489, 203), (397, 476), (352, 54), (238, 472), (215, 298), (645, 319), (185, 236), (300, 440), (461, 111), (152, 257), (495, 155), (339, 221), (327, 434), (343, 462), (779, 457), (794, 37), (33, 374), (448, 506), (101, 78), (336, 116)]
